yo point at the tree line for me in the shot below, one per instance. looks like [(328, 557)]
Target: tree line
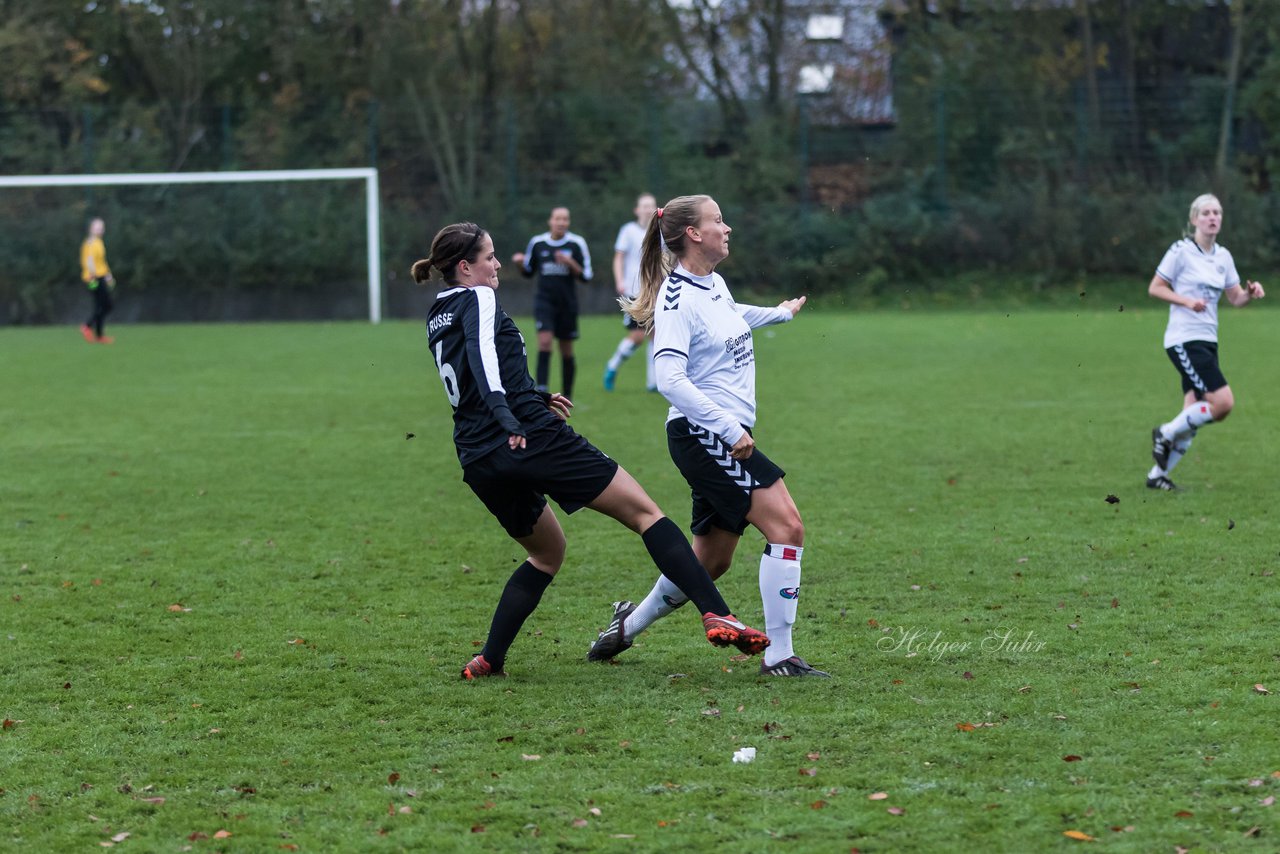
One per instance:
[(1046, 141)]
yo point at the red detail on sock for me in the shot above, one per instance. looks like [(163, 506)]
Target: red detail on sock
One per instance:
[(789, 554), (1204, 410)]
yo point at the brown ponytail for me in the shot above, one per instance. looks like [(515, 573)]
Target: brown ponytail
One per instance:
[(664, 244), (452, 245)]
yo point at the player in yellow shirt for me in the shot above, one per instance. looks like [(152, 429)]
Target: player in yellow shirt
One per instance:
[(95, 273)]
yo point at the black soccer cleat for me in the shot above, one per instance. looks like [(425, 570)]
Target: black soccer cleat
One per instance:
[(1160, 448), (793, 666), (1163, 483), (613, 640)]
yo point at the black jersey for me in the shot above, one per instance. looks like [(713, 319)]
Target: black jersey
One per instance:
[(481, 357), (540, 259)]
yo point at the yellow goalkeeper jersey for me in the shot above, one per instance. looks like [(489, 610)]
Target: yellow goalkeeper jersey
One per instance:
[(93, 249)]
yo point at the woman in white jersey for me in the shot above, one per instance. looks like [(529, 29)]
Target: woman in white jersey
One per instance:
[(1193, 275), (626, 278), (704, 363)]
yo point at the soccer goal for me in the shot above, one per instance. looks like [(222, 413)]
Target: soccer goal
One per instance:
[(373, 225)]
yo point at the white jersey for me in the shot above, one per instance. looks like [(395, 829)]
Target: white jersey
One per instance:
[(629, 242), (704, 358), (1200, 275)]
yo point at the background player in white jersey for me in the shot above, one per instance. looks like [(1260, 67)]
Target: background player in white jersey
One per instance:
[(626, 278), (704, 361), (1193, 275), (515, 450), (558, 257)]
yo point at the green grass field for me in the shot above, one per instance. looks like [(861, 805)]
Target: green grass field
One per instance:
[(234, 599)]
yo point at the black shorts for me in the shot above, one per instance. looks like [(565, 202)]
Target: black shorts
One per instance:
[(556, 310), (557, 462), (1197, 364), (629, 322), (721, 486)]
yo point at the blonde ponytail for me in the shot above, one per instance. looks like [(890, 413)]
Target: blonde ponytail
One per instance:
[(664, 244)]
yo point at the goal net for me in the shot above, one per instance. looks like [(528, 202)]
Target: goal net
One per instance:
[(286, 243)]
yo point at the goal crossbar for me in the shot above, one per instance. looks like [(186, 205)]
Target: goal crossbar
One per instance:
[(373, 225)]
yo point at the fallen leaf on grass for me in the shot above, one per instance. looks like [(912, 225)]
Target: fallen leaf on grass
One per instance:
[(530, 757), (622, 836), (121, 837), (1260, 689), (813, 757), (896, 811), (507, 738), (1024, 689), (1253, 831), (405, 810), (297, 642), (1072, 758), (477, 828), (1183, 814), (817, 805), (1077, 834), (1267, 801), (877, 796), (808, 772), (1128, 828), (1111, 499), (580, 822), (197, 836), (966, 675), (711, 713), (175, 607), (393, 778), (1231, 523), (156, 801)]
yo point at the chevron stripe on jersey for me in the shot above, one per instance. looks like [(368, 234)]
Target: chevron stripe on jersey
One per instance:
[(671, 295), (719, 451)]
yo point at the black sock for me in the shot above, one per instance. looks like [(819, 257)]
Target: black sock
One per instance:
[(570, 366), (544, 369), (675, 559), (519, 598)]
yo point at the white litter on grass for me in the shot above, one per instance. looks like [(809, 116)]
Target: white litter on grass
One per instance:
[(745, 754)]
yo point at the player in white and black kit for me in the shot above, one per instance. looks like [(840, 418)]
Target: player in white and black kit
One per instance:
[(626, 278), (1193, 275), (515, 449), (559, 258), (704, 361)]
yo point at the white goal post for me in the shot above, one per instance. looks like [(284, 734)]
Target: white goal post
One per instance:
[(373, 225)]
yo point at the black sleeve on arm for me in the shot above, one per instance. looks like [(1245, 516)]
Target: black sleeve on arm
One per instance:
[(497, 403), (480, 325)]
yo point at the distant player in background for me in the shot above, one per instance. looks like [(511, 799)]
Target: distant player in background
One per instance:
[(1193, 275), (559, 258), (626, 278), (515, 450), (95, 273), (704, 361)]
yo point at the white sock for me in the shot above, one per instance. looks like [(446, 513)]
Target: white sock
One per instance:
[(1185, 422), (1178, 450), (625, 348), (780, 593), (664, 598)]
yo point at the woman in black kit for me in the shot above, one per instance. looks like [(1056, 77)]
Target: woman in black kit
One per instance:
[(515, 449)]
